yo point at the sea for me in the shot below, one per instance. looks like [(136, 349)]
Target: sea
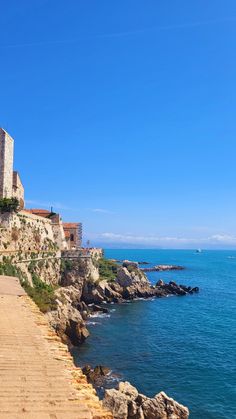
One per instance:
[(184, 346)]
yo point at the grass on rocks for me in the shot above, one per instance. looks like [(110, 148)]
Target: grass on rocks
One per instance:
[(107, 269), (42, 294)]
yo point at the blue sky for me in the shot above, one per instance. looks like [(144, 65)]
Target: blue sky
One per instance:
[(123, 115)]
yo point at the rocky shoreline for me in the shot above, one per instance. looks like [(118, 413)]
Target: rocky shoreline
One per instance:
[(127, 403), (81, 295)]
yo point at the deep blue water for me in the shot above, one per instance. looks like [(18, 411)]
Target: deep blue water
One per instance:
[(182, 345)]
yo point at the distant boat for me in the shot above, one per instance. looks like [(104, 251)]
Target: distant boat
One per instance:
[(199, 251)]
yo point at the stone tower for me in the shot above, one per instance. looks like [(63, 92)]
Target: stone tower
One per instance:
[(6, 164)]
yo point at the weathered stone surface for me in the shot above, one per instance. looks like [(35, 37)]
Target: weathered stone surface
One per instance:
[(97, 375), (6, 164), (159, 268), (127, 403), (78, 272), (129, 390), (127, 263), (66, 319), (116, 402), (132, 277), (163, 407)]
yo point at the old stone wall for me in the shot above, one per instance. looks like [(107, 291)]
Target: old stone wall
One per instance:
[(47, 269), (27, 241), (18, 189), (24, 232), (58, 232)]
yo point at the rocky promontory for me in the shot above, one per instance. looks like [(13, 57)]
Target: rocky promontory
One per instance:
[(127, 403), (86, 286)]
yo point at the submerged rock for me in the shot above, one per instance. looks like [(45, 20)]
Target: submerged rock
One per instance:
[(96, 309), (97, 375), (127, 403), (159, 268)]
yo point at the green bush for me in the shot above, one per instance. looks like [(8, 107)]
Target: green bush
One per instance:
[(9, 205), (107, 269), (41, 293)]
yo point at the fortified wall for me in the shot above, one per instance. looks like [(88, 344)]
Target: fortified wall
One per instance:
[(29, 241), (33, 239), (37, 245), (26, 233)]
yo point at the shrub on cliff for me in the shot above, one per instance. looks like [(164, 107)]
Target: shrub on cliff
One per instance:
[(9, 205), (6, 268), (107, 269), (41, 293)]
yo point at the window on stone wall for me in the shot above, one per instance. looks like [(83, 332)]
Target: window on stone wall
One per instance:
[(72, 237)]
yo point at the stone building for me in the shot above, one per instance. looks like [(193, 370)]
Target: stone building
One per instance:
[(10, 183), (68, 236), (18, 189), (73, 234)]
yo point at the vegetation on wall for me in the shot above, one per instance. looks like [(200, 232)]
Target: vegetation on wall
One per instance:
[(41, 293), (77, 265), (9, 205)]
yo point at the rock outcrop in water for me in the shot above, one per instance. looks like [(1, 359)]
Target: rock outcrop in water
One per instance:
[(82, 293), (127, 403), (163, 268)]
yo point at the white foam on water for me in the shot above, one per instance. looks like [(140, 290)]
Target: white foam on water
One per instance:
[(99, 315)]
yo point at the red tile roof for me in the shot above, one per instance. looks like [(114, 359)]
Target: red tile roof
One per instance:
[(40, 212), (70, 225)]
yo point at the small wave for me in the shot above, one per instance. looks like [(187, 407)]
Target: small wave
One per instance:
[(91, 323), (100, 315), (112, 310)]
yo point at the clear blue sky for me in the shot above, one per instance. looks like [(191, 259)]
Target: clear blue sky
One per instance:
[(123, 115)]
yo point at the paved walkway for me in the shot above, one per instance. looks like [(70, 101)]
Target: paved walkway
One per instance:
[(38, 379)]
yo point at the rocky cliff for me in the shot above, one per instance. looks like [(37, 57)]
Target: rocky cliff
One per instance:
[(127, 403), (85, 285), (81, 287)]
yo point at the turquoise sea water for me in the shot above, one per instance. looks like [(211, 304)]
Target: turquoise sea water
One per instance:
[(182, 345)]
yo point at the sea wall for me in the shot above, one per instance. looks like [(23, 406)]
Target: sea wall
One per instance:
[(28, 242)]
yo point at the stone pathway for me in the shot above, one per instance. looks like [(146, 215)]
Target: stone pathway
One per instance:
[(38, 379)]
